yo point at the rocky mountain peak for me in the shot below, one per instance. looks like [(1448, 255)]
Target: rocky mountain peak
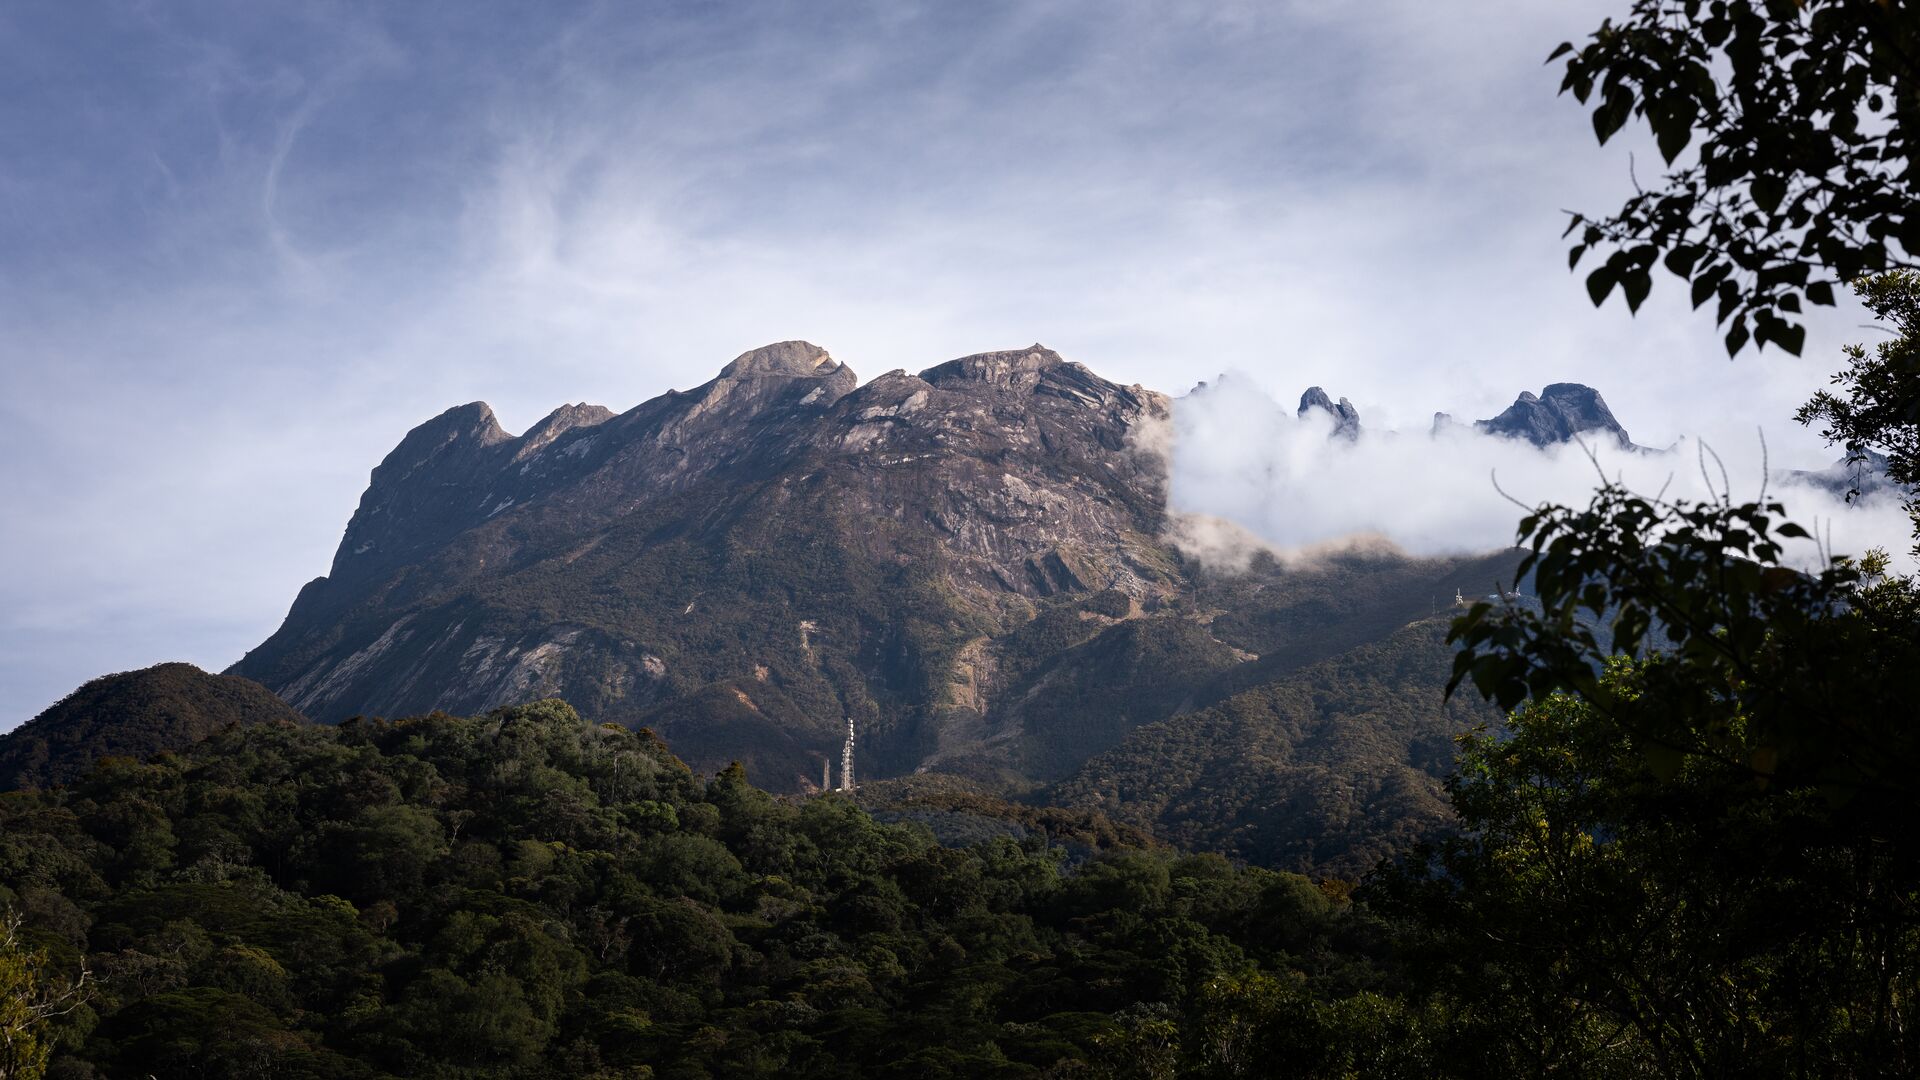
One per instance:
[(1014, 368), (784, 373), (1560, 412), (460, 431), (557, 423), (591, 556), (792, 359), (1346, 418)]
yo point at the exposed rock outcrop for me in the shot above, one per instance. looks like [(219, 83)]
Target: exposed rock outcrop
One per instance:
[(1346, 418), (1562, 412)]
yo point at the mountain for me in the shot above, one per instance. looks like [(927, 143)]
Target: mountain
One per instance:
[(1561, 412), (969, 563), (1865, 478), (1326, 770), (133, 714), (1346, 418)]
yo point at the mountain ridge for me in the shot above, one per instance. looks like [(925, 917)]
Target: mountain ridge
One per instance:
[(972, 563)]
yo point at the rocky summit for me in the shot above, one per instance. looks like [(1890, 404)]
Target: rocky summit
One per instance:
[(1346, 418), (1561, 412), (967, 563)]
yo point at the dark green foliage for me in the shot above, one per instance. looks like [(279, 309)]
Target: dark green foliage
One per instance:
[(1693, 852), (1802, 115), (133, 714), (1602, 919), (1798, 681), (1087, 698), (1326, 771), (529, 894)]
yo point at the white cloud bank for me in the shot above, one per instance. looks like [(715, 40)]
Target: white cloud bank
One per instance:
[(1246, 474)]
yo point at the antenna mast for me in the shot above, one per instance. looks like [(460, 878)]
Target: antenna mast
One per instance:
[(846, 759)]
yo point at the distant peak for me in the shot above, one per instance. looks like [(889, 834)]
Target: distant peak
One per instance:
[(1346, 418), (1560, 412), (794, 359), (472, 422), (1001, 368), (475, 415), (581, 415), (558, 423), (1568, 391)]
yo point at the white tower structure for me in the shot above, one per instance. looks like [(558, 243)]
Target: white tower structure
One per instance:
[(846, 759)]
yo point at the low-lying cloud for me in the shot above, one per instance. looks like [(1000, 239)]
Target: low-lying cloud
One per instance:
[(1248, 475)]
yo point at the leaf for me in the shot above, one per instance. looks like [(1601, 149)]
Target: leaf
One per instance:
[(1681, 260), (1564, 48), (1600, 283), (1636, 286), (1703, 288), (1767, 190), (1737, 337), (1729, 301), (1612, 115), (1821, 293), (1790, 336), (1673, 133)]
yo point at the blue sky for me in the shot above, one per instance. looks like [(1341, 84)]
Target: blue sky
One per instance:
[(245, 246)]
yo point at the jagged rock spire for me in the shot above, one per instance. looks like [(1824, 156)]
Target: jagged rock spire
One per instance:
[(1346, 418)]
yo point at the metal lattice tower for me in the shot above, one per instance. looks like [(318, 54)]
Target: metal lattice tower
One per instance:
[(846, 759)]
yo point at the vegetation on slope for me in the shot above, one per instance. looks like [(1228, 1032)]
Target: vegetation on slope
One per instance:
[(529, 894), (132, 714), (1326, 771)]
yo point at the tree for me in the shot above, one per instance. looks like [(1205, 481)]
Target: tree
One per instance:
[(1880, 414), (1802, 116), (1600, 919), (31, 998), (1690, 852)]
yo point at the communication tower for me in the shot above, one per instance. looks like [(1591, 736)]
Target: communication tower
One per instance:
[(846, 759)]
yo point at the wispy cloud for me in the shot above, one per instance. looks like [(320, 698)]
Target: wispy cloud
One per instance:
[(244, 247)]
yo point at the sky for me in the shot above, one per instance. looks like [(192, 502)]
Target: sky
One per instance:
[(245, 247)]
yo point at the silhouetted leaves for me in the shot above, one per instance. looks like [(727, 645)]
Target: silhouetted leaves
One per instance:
[(1801, 119)]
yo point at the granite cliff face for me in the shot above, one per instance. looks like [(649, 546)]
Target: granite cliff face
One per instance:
[(967, 562)]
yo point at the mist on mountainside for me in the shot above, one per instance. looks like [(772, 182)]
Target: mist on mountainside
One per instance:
[(1247, 475)]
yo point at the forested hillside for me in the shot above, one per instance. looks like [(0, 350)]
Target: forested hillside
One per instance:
[(1328, 770), (132, 714), (529, 894)]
